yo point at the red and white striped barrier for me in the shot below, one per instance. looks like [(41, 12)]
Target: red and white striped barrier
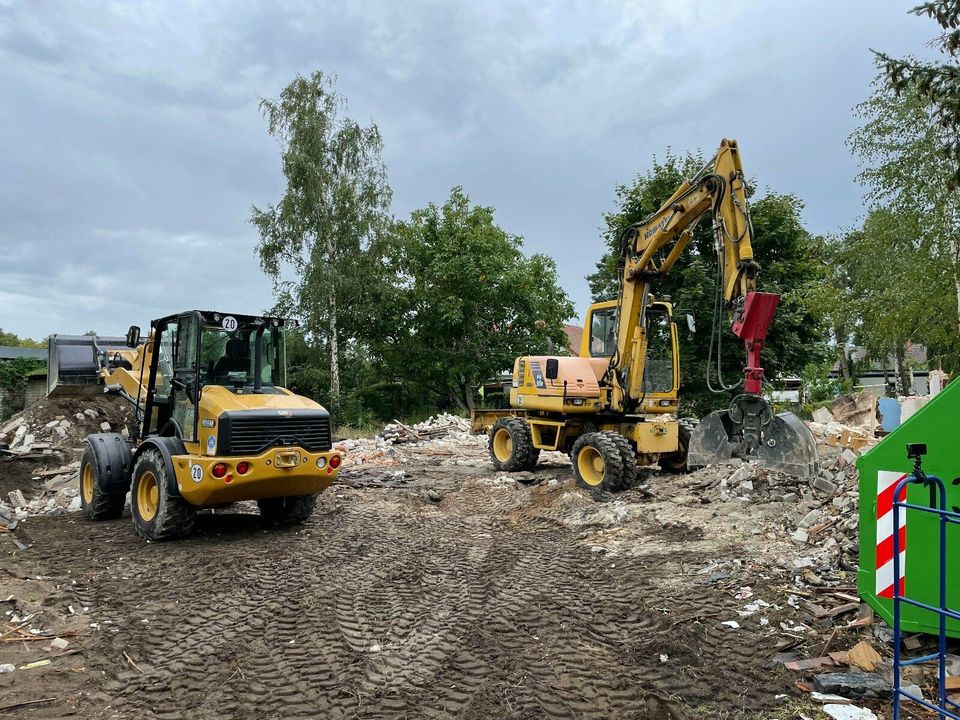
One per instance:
[(886, 484)]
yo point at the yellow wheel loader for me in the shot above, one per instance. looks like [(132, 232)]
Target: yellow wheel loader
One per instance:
[(214, 423), (615, 406)]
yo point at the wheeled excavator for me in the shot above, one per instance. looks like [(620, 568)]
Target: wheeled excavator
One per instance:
[(615, 406), (215, 424)]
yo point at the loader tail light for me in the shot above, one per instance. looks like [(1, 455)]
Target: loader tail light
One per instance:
[(335, 461), (243, 468), (219, 470)]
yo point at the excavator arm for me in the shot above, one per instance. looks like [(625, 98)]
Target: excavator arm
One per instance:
[(649, 250)]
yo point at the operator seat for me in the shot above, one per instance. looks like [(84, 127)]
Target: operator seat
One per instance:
[(236, 359)]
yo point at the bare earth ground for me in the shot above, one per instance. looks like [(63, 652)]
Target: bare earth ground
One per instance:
[(451, 593)]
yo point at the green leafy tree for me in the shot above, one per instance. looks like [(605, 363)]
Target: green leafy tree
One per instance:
[(893, 302), (466, 301), (906, 176), (317, 243), (937, 84), (784, 250), (12, 340)]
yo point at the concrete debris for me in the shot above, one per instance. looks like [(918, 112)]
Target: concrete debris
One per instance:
[(437, 426), (855, 683), (849, 712)]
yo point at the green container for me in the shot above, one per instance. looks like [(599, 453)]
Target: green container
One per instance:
[(938, 425)]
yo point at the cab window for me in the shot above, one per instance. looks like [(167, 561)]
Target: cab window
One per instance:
[(603, 332), (658, 370)]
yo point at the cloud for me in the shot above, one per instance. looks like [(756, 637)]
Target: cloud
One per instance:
[(132, 146)]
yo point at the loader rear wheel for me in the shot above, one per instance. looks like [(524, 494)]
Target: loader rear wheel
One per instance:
[(511, 445), (159, 513), (628, 457), (676, 463), (597, 464), (293, 509), (96, 504)]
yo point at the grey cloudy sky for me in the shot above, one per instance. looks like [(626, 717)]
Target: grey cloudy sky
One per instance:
[(131, 145)]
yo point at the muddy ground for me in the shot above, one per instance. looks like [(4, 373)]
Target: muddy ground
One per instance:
[(426, 589)]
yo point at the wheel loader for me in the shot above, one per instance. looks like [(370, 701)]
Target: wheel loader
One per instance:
[(215, 424), (615, 406)]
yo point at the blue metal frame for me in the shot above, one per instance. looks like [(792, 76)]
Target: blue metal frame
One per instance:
[(945, 707)]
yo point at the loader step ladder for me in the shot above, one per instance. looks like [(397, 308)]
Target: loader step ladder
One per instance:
[(942, 705)]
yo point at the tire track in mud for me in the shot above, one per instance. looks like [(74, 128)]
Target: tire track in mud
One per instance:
[(381, 606)]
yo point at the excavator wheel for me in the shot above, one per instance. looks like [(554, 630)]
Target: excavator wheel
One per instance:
[(511, 445), (293, 509), (597, 464), (628, 457), (676, 463), (96, 504), (158, 512)]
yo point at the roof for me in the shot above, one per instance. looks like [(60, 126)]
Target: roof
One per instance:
[(8, 352), (574, 336)]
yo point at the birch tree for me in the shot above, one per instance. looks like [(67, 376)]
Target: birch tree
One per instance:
[(316, 243)]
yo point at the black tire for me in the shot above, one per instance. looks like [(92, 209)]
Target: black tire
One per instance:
[(96, 504), (511, 445), (159, 513), (676, 463), (629, 458), (597, 464), (293, 509)]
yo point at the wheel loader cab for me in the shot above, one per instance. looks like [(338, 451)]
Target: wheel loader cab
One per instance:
[(195, 351)]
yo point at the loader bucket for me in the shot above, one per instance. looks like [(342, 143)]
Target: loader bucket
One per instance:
[(74, 362), (786, 444)]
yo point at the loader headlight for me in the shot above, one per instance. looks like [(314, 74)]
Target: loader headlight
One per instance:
[(321, 462), (577, 401)]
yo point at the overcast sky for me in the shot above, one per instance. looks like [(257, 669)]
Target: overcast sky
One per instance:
[(132, 147)]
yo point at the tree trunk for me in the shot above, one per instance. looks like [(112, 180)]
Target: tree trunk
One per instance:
[(334, 348), (468, 397), (898, 370), (844, 362)]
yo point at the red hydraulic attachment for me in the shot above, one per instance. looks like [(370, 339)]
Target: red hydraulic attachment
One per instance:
[(750, 324)]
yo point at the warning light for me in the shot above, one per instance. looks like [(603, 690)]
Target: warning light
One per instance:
[(243, 468), (219, 470), (335, 461)]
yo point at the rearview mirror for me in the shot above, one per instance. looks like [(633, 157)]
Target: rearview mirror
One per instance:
[(553, 368), (691, 323), (133, 336)]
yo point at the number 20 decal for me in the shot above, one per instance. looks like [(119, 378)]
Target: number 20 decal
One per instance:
[(229, 323), (196, 472)]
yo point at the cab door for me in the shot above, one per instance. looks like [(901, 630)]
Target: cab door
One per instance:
[(186, 385)]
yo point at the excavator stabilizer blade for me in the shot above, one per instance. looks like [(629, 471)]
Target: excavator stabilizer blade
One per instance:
[(788, 447), (710, 440)]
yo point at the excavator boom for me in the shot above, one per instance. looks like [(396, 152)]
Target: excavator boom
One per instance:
[(748, 428)]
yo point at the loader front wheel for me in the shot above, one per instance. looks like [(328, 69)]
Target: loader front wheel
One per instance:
[(293, 509), (597, 464), (96, 504), (511, 445), (159, 513)]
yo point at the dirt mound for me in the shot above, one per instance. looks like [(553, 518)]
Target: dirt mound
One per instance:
[(62, 424)]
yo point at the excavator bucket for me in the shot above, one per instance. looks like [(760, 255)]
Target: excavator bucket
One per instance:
[(785, 445), (74, 362)]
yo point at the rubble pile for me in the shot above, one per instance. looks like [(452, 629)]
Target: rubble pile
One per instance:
[(58, 491), (438, 426), (58, 424)]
